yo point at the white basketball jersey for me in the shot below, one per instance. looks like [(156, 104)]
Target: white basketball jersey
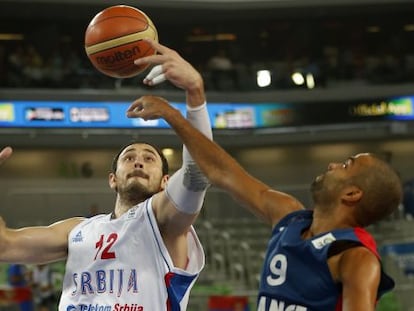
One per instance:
[(123, 265)]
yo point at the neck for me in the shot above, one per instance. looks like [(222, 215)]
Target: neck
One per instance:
[(119, 211), (325, 221), (321, 222), (121, 207)]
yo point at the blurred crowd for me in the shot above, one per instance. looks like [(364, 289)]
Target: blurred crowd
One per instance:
[(26, 67), (368, 47), (30, 288)]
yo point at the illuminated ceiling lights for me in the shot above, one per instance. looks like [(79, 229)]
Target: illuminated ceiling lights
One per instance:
[(373, 29), (300, 79), (168, 152), (212, 38), (263, 78), (11, 36), (409, 27)]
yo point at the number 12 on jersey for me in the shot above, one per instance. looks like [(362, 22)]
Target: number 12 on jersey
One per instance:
[(104, 246)]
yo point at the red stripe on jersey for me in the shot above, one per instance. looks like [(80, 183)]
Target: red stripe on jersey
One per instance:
[(339, 304), (367, 240), (167, 279)]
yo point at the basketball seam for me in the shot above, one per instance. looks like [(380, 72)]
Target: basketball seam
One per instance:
[(143, 19), (113, 43)]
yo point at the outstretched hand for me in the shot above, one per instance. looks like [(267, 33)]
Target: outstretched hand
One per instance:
[(150, 108), (169, 65), (5, 154)]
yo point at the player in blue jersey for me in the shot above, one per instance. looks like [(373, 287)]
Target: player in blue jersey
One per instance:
[(320, 259), (145, 255)]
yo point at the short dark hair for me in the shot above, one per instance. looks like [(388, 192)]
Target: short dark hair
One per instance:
[(382, 188), (165, 168)]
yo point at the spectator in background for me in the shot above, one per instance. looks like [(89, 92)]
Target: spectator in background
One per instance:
[(17, 278), (34, 66), (222, 70), (15, 66), (54, 69), (42, 286)]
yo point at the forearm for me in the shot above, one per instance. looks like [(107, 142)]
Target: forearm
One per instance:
[(188, 186), (197, 113), (210, 158), (198, 117), (195, 93)]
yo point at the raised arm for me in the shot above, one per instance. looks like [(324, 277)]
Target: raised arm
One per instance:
[(34, 244), (219, 167), (169, 65), (177, 207)]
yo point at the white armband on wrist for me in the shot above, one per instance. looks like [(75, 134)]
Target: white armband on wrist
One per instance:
[(198, 117), (187, 187)]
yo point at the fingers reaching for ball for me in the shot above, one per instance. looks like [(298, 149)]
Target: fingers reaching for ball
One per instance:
[(161, 49), (169, 65)]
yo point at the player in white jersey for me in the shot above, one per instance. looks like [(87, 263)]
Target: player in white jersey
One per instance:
[(145, 255)]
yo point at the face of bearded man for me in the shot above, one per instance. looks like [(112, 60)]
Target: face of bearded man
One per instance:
[(139, 173)]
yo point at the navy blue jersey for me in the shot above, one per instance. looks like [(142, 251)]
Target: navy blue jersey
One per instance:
[(296, 275)]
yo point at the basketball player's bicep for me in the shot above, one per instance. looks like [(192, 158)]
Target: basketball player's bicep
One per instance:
[(359, 273), (53, 241), (279, 204), (169, 219), (59, 232), (42, 243), (50, 243)]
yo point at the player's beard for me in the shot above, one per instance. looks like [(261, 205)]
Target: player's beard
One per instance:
[(135, 193), (325, 190), (317, 184)]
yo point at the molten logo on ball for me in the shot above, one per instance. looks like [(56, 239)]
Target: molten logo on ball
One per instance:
[(119, 56)]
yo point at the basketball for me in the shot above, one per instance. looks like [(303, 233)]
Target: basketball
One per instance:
[(113, 40)]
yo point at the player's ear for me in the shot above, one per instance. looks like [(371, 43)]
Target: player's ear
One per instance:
[(112, 181), (164, 181), (351, 195)]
